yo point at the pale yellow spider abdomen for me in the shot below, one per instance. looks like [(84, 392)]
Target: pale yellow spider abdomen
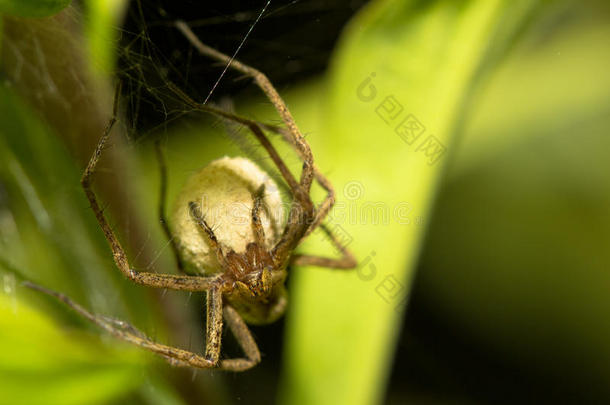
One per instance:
[(224, 191)]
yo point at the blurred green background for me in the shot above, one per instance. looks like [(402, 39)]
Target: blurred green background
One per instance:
[(484, 261)]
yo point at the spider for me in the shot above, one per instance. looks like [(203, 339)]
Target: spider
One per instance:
[(243, 282)]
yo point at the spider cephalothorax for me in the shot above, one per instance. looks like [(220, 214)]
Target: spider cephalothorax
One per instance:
[(239, 261)]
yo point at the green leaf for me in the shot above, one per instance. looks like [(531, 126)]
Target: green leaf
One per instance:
[(429, 57), (40, 363), (523, 221), (157, 391), (32, 8), (44, 207), (48, 234), (103, 17)]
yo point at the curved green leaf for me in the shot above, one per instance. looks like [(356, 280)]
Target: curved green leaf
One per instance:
[(399, 88), (48, 235), (102, 33), (523, 221), (40, 363)]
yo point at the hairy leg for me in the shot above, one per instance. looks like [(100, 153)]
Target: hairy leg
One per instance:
[(128, 333), (162, 204), (244, 337), (326, 205), (173, 355), (213, 330), (212, 240), (296, 228), (346, 261), (257, 226), (302, 212), (175, 282), (253, 126), (265, 85)]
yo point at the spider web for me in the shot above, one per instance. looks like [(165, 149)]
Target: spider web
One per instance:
[(150, 66), (153, 52), (281, 39), (289, 41), (266, 35)]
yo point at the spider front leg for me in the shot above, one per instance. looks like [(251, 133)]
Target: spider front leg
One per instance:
[(174, 355), (214, 303), (257, 225), (299, 226), (170, 281), (265, 85), (213, 329), (215, 311), (128, 333), (303, 217), (326, 205), (347, 259)]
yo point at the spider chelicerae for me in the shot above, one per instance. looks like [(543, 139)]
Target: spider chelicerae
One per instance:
[(244, 280)]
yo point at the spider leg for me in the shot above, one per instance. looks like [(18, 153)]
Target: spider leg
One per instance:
[(254, 127), (162, 204), (128, 333), (213, 329), (299, 224), (176, 356), (257, 226), (174, 282), (212, 240), (346, 261), (302, 210), (326, 205), (246, 341), (265, 85)]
